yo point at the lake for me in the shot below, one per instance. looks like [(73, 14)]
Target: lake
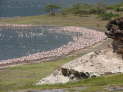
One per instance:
[(16, 43), (12, 8)]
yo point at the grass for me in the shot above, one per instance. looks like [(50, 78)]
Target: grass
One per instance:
[(92, 82), (98, 84), (25, 76), (69, 20)]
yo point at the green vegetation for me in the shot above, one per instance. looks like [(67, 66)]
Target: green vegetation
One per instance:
[(51, 9), (25, 77), (90, 16), (92, 82), (95, 15), (108, 15), (22, 77), (78, 9), (99, 9), (116, 6), (60, 20)]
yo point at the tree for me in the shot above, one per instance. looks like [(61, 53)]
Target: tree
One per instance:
[(52, 8), (101, 7), (108, 16), (80, 9)]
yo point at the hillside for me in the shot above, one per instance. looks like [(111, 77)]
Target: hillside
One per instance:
[(10, 8)]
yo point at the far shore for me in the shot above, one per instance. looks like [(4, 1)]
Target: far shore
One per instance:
[(17, 25), (88, 38)]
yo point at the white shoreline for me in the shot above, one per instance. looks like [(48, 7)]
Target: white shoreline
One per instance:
[(89, 38)]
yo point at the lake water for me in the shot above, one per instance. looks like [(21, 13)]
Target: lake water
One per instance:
[(22, 42), (11, 8)]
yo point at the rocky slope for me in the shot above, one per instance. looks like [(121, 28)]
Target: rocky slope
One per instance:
[(115, 32), (103, 62), (91, 65)]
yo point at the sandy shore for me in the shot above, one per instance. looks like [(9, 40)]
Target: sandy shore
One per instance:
[(87, 38)]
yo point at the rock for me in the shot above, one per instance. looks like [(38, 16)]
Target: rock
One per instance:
[(90, 65), (72, 74), (115, 31), (55, 77)]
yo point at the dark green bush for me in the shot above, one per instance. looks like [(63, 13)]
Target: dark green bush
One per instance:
[(119, 9), (78, 9), (52, 9), (108, 16), (97, 11)]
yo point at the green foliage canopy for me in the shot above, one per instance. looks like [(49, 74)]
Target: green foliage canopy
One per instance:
[(52, 8)]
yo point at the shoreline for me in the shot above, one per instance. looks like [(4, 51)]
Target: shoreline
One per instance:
[(88, 38), (23, 25)]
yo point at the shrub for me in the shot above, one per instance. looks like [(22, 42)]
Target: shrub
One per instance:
[(119, 9), (78, 9), (108, 15), (97, 11), (52, 8)]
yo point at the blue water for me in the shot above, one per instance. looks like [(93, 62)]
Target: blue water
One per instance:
[(15, 43), (11, 8)]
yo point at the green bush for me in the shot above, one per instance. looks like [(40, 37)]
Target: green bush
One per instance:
[(78, 9), (97, 11), (108, 16), (52, 9), (119, 9)]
